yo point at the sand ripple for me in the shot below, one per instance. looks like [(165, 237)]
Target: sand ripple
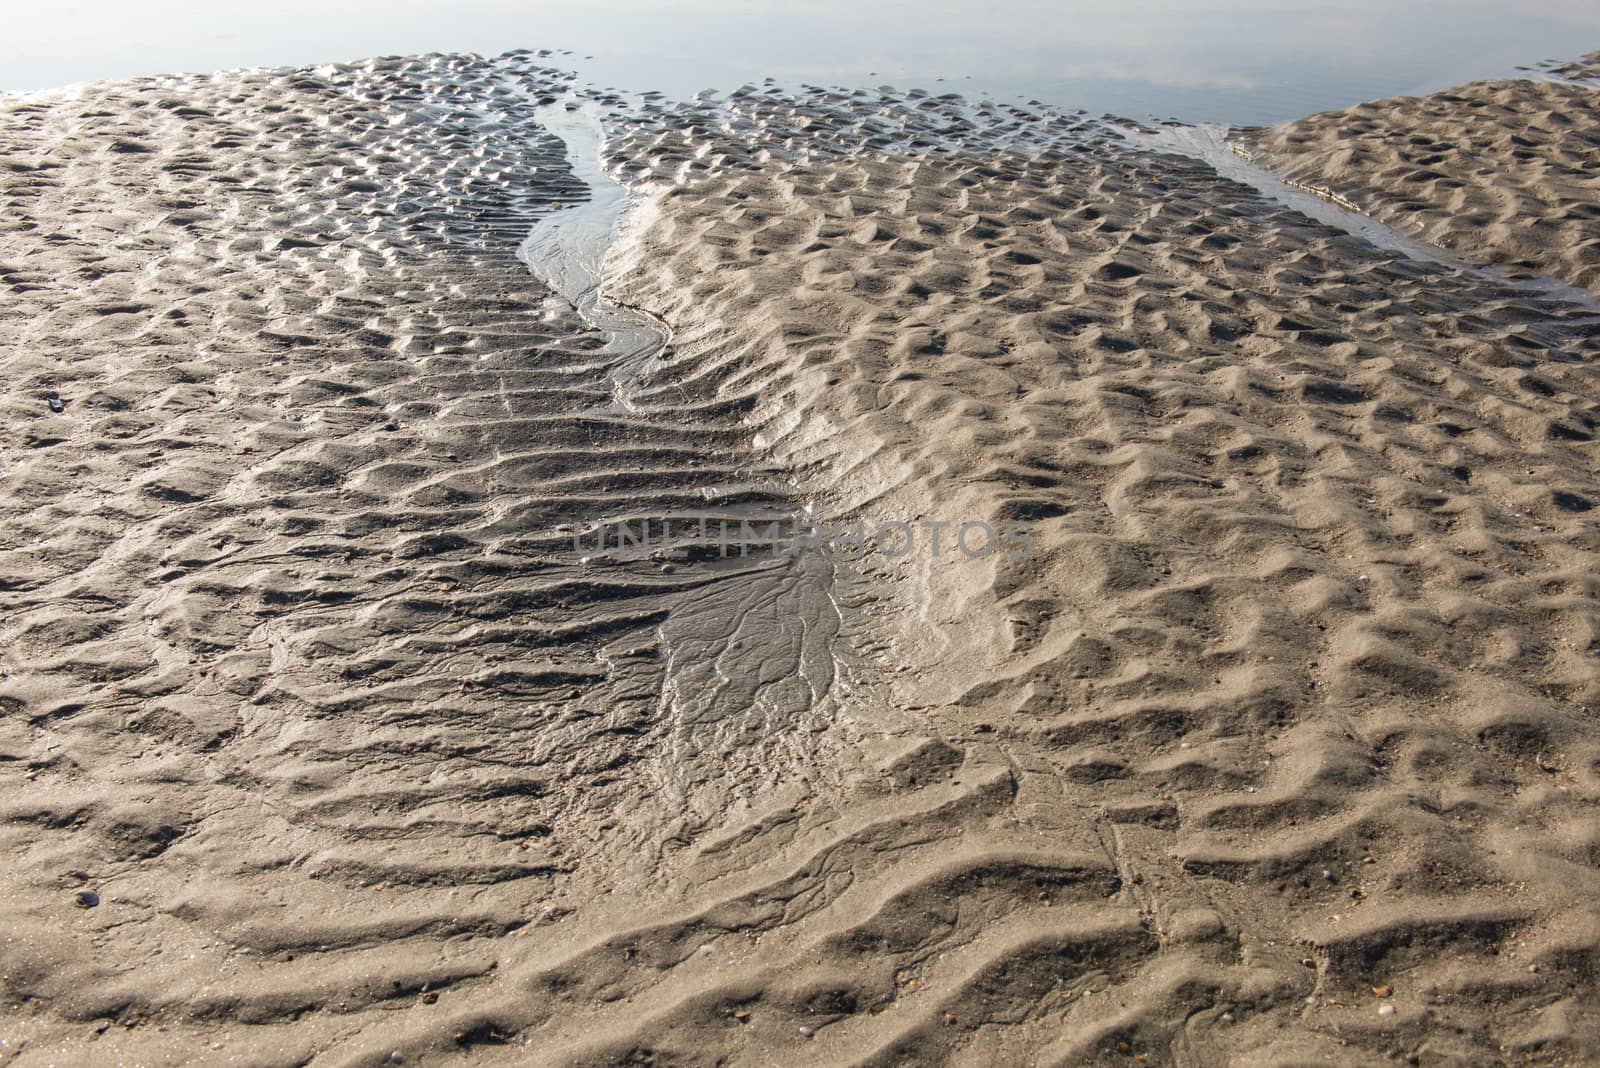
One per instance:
[(303, 678), (1502, 172)]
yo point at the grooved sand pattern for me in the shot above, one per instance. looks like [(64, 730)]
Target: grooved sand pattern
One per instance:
[(1295, 699)]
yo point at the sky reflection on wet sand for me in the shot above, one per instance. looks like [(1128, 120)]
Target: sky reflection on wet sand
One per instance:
[(1240, 61)]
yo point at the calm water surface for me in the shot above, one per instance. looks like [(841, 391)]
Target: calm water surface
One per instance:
[(1244, 61)]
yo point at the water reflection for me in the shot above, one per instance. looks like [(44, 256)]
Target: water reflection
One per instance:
[(1236, 61)]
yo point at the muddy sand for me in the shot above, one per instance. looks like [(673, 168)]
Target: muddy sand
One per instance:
[(333, 733)]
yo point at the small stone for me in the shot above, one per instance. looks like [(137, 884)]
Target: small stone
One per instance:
[(1386, 1010), (807, 1032), (56, 405), (1308, 962), (1328, 875), (1226, 1017), (430, 998), (397, 1057), (742, 1015), (86, 899), (1533, 968), (950, 1019), (1380, 991)]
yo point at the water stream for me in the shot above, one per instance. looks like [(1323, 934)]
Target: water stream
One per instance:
[(567, 251), (747, 645)]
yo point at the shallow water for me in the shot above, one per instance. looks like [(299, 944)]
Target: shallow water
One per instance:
[(1236, 61), (567, 249)]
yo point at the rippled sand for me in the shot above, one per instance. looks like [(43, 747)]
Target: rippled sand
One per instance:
[(1287, 723), (1504, 172)]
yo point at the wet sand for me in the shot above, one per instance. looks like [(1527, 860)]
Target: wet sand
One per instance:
[(1502, 172), (323, 744)]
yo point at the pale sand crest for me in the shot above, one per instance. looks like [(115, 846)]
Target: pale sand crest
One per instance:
[(1288, 721)]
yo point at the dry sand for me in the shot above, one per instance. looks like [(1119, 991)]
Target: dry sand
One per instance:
[(1289, 722)]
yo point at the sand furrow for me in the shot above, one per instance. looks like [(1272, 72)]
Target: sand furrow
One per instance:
[(329, 673)]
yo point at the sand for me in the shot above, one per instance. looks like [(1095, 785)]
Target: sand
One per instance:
[(1280, 748), (1503, 172)]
